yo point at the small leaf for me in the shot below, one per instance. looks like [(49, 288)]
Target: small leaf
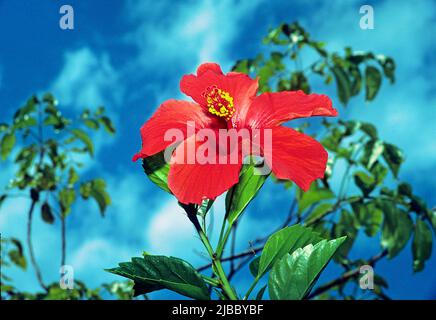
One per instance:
[(152, 273), (422, 245), (396, 229), (91, 123), (67, 196), (388, 65), (342, 83), (405, 189), (18, 259), (295, 274), (319, 211), (46, 213), (368, 216), (240, 195), (393, 157), (96, 189), (312, 196), (204, 208), (373, 150), (365, 182), (369, 129), (73, 177), (82, 136), (254, 266), (157, 170), (7, 144), (373, 80), (107, 124), (430, 213), (17, 255), (4, 127), (346, 226)]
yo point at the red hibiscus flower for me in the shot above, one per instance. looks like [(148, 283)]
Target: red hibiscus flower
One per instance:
[(226, 101)]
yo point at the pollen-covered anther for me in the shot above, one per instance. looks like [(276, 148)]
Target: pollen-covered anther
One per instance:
[(219, 102)]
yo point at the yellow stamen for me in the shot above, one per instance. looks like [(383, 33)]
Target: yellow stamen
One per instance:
[(219, 102)]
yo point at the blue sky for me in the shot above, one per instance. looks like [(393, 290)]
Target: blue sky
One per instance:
[(129, 56)]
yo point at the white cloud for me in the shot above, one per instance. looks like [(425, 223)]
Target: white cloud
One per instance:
[(87, 79), (170, 232), (185, 33)]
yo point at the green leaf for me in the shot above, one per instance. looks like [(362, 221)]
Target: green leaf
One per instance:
[(46, 213), (26, 110), (388, 65), (83, 136), (373, 80), (356, 81), (107, 124), (91, 123), (295, 274), (346, 226), (397, 228), (157, 170), (422, 245), (67, 196), (312, 196), (18, 259), (96, 189), (285, 241), (379, 172), (393, 157), (17, 255), (49, 98), (204, 208), (319, 211), (254, 266), (4, 127), (430, 213), (73, 177), (368, 216), (365, 182), (342, 83), (405, 189), (373, 150), (240, 195), (369, 129), (152, 273), (7, 144)]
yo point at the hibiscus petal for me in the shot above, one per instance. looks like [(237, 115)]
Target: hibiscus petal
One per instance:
[(272, 109), (241, 87), (172, 115), (209, 66), (295, 156), (192, 181)]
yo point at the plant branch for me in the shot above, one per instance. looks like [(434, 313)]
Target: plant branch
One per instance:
[(63, 240), (217, 268), (29, 244), (346, 276)]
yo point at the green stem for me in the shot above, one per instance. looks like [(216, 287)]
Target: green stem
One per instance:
[(223, 240), (216, 263), (212, 281), (253, 285), (217, 267)]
